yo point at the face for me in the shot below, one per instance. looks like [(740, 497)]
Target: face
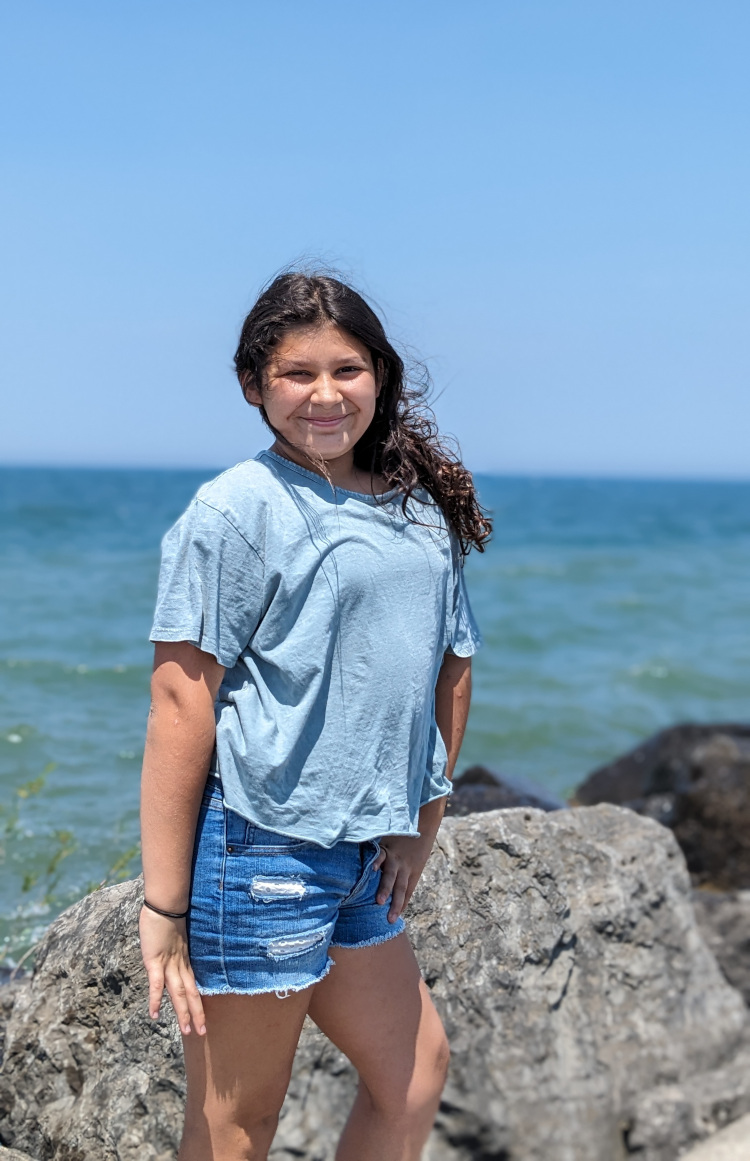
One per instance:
[(320, 390)]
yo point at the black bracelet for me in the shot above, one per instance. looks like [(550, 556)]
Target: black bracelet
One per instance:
[(167, 914)]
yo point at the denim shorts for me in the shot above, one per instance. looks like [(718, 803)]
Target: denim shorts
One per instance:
[(265, 908)]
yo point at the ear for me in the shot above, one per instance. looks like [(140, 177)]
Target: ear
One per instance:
[(250, 391)]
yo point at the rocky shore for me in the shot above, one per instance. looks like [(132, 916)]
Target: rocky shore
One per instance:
[(593, 991)]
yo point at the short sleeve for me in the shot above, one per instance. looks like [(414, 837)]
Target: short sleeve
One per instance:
[(435, 783), (464, 637), (210, 585)]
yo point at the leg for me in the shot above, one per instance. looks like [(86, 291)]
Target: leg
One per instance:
[(375, 1007), (237, 1075)]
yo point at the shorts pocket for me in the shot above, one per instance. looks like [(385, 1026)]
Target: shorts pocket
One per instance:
[(369, 851), (243, 838)]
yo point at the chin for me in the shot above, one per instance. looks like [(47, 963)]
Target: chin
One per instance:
[(329, 446)]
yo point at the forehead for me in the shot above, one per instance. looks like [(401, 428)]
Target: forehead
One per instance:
[(323, 344)]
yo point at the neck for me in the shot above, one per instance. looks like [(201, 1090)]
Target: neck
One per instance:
[(340, 471)]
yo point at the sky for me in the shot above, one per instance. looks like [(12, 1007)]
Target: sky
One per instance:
[(546, 199)]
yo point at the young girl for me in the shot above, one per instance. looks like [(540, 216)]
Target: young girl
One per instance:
[(310, 692)]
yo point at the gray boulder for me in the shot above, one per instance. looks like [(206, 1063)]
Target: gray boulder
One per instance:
[(13, 1155), (478, 790), (696, 780), (730, 1144), (724, 920), (86, 1075), (587, 1017)]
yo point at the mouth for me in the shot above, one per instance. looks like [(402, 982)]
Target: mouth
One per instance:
[(324, 422)]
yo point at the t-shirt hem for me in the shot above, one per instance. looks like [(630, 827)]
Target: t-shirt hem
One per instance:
[(305, 836), (466, 648), (438, 792)]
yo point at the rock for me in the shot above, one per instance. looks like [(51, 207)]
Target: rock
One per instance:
[(567, 966), (696, 780), (587, 1017), (478, 789), (86, 1075), (14, 1155), (698, 1108), (724, 921), (730, 1144), (9, 991)]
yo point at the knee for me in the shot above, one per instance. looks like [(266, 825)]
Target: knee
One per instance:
[(253, 1120), (430, 1075), (442, 1060), (410, 1099), (259, 1124), (238, 1129), (440, 1064)]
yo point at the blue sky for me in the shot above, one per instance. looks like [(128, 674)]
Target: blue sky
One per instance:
[(548, 200)]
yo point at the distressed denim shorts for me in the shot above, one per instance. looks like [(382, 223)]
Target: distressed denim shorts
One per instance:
[(265, 908)]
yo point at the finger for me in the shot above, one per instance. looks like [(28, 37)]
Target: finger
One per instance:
[(399, 896), (387, 879), (178, 996), (195, 1004), (379, 861), (155, 990), (409, 891)]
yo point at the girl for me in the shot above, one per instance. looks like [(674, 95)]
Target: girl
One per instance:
[(310, 692)]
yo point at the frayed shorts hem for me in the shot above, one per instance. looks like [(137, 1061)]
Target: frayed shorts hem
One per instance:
[(401, 926), (227, 990)]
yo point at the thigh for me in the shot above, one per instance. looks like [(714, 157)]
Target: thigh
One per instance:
[(238, 1072), (376, 1008)]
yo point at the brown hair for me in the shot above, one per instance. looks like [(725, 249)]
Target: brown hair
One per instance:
[(402, 443)]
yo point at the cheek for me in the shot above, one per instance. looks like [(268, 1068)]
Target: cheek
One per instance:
[(280, 401), (367, 402)]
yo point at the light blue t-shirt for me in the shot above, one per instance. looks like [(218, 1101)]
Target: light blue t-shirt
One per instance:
[(331, 613)]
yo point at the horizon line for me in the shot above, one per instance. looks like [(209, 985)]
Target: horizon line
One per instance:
[(546, 474)]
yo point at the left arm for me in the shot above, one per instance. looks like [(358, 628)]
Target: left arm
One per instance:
[(403, 857)]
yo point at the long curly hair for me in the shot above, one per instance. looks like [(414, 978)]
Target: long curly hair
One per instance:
[(402, 443)]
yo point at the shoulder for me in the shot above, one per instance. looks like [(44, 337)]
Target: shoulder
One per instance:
[(237, 486), (242, 495), (230, 509)]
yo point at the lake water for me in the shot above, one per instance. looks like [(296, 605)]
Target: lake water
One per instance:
[(609, 609)]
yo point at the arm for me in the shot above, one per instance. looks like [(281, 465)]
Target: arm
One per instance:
[(403, 857), (179, 744)]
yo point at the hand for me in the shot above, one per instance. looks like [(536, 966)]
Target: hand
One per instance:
[(165, 956), (402, 858)]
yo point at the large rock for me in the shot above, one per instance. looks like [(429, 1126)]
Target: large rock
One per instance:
[(478, 790), (696, 780), (86, 1075), (588, 1019), (730, 1144), (724, 920)]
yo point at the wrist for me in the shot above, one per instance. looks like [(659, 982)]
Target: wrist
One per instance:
[(165, 912), (167, 899)]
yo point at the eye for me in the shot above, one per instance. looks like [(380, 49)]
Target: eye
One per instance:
[(350, 370)]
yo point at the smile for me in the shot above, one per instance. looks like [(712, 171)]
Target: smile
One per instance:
[(319, 421)]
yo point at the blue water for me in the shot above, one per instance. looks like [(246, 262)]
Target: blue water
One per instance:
[(609, 609)]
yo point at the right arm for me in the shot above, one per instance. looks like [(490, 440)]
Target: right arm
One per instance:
[(179, 745)]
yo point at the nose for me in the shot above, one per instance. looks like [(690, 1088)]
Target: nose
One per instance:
[(325, 390)]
